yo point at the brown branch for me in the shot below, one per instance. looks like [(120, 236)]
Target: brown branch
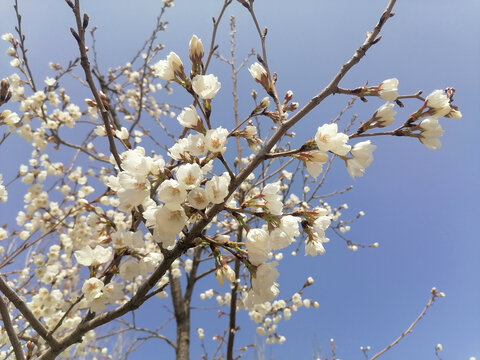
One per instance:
[(216, 22), (233, 307), (146, 61), (431, 301), (80, 37), (134, 303), (27, 314), (12, 335), (187, 241), (263, 35), (22, 46)]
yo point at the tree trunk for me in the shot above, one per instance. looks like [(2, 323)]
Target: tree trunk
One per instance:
[(182, 317)]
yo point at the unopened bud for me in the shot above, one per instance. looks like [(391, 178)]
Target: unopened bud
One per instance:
[(104, 100), (176, 64), (195, 50), (5, 94), (91, 103), (259, 74), (288, 96), (265, 103)]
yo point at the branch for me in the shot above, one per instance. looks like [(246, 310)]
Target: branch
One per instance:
[(80, 37), (232, 327), (22, 46), (27, 314), (434, 295), (12, 335), (134, 303), (216, 22)]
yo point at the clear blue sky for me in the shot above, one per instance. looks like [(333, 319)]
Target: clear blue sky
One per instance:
[(421, 205)]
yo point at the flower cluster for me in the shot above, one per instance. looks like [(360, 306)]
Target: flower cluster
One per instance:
[(177, 203)]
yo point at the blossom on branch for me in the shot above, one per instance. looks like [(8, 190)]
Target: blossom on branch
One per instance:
[(430, 132), (362, 158), (328, 138), (388, 89), (206, 86)]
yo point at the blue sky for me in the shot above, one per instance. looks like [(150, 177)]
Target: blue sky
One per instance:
[(421, 205)]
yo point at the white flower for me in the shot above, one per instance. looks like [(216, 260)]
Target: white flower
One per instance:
[(129, 269), (197, 198), (15, 62), (384, 115), (285, 234), (315, 247), (168, 69), (168, 223), (388, 89), (172, 193), (7, 37), (122, 133), (100, 130), (50, 81), (258, 246), (321, 224), (224, 272), (196, 144), (92, 289), (217, 188), (439, 102), (327, 138), (215, 140), (93, 257), (206, 86), (9, 117), (454, 113), (163, 70), (362, 158), (263, 283), (315, 161), (188, 117), (430, 132), (272, 199), (131, 190), (189, 175), (136, 163), (179, 150)]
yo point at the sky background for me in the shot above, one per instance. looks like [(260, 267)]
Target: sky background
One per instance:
[(421, 205)]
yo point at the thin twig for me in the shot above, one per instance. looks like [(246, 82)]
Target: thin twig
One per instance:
[(80, 37), (431, 301)]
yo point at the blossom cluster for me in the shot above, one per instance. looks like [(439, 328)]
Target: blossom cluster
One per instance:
[(113, 224)]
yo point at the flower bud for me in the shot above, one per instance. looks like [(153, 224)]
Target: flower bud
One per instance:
[(265, 103), (195, 50), (5, 94), (175, 63), (387, 90), (259, 74)]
